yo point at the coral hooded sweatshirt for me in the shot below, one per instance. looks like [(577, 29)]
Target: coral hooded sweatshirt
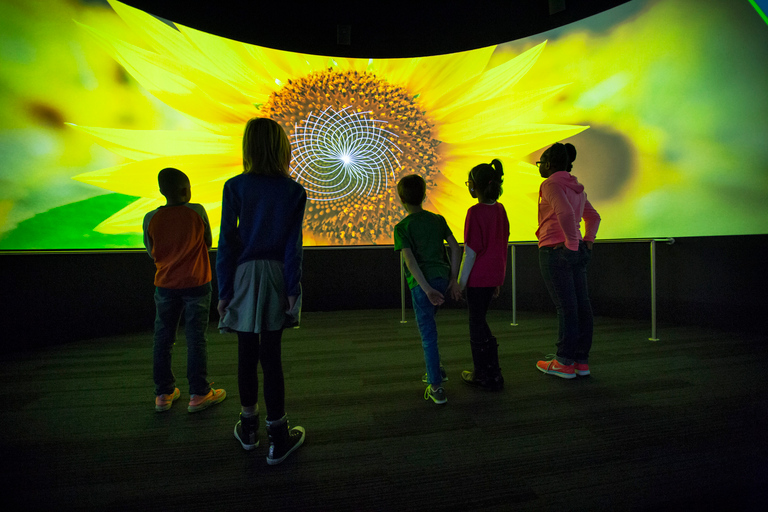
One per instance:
[(562, 205)]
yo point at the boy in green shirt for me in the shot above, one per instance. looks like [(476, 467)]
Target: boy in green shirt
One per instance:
[(430, 275)]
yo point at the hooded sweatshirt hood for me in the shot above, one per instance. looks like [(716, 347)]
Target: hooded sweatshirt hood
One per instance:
[(566, 179)]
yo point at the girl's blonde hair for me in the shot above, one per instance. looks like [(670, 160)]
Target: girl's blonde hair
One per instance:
[(266, 148)]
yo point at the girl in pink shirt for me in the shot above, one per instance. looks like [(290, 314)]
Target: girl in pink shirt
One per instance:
[(486, 234), (563, 258)]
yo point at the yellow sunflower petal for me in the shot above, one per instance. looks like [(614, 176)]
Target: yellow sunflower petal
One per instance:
[(452, 202), (520, 140), (194, 48), (131, 218), (433, 77), (199, 95), (490, 84), (509, 108), (282, 66), (234, 63), (138, 144), (140, 178)]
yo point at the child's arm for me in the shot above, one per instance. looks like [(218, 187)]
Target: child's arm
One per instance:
[(229, 248), (293, 256), (147, 238), (466, 266), (435, 297), (453, 285), (591, 223), (207, 236)]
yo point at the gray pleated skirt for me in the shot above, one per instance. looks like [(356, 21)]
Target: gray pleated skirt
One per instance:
[(259, 301)]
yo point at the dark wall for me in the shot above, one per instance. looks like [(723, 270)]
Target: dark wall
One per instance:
[(714, 281), (391, 29)]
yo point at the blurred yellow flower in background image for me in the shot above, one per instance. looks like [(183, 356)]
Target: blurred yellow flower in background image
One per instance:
[(356, 127)]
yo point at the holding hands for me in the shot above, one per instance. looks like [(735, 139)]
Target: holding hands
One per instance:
[(454, 290), (434, 296)]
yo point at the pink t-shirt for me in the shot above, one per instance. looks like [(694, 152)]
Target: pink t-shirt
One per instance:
[(486, 231)]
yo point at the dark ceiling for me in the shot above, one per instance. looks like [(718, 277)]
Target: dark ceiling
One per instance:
[(375, 29)]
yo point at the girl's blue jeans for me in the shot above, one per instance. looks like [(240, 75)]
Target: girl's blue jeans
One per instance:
[(565, 274), (425, 319), (195, 303)]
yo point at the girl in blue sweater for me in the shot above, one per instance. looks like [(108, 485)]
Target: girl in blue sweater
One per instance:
[(259, 272)]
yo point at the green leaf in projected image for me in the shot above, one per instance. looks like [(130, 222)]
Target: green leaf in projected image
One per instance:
[(71, 227)]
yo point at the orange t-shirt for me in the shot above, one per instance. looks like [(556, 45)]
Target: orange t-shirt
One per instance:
[(178, 238)]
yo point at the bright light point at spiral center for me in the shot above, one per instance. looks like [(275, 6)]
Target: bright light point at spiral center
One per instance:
[(346, 159)]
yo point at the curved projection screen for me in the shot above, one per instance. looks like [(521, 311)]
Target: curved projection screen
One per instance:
[(665, 101)]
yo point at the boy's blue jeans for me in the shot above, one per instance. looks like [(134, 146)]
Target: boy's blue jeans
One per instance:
[(195, 303), (425, 319), (565, 274)]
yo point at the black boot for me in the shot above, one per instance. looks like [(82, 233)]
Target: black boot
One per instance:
[(479, 376), (282, 440), (247, 431), (495, 380)]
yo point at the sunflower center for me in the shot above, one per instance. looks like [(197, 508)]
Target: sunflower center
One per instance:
[(354, 136)]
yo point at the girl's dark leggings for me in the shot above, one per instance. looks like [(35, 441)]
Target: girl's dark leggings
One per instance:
[(478, 300), (264, 347)]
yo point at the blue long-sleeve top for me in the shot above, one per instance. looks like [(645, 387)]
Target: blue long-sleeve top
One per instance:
[(261, 218)]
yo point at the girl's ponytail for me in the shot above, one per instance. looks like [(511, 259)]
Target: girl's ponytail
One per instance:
[(494, 189), (571, 150)]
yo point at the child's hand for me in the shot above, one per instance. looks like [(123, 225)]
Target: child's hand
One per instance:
[(496, 292), (435, 297), (222, 307), (455, 290)]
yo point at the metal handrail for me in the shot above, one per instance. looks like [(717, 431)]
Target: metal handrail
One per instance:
[(512, 245)]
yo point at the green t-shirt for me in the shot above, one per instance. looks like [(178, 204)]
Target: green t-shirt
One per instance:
[(423, 233)]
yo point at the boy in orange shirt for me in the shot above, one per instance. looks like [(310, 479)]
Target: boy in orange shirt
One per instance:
[(178, 236)]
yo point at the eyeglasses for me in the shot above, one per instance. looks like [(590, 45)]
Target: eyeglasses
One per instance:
[(466, 183), (538, 164)]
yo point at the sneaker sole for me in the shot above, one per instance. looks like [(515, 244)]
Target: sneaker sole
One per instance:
[(245, 446), (203, 406), (556, 373), (582, 373), (272, 462), (163, 408), (439, 402)]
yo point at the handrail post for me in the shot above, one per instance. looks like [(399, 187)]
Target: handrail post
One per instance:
[(402, 290), (514, 286), (653, 292)]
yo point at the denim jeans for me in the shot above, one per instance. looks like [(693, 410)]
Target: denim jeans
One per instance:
[(565, 275), (425, 319), (195, 303)]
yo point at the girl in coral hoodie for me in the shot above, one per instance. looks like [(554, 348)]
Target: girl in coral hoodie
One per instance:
[(563, 258)]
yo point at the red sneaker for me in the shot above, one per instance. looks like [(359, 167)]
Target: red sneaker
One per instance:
[(581, 369), (552, 367), (164, 402), (200, 402)]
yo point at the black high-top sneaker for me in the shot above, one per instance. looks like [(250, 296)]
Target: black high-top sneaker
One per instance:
[(283, 440), (495, 381), (247, 431), (479, 376)]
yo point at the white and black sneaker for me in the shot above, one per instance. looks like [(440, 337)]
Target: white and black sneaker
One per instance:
[(437, 395)]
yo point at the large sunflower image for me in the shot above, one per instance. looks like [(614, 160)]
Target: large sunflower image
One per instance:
[(356, 127)]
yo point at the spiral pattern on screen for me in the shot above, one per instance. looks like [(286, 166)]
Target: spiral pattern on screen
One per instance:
[(344, 154)]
